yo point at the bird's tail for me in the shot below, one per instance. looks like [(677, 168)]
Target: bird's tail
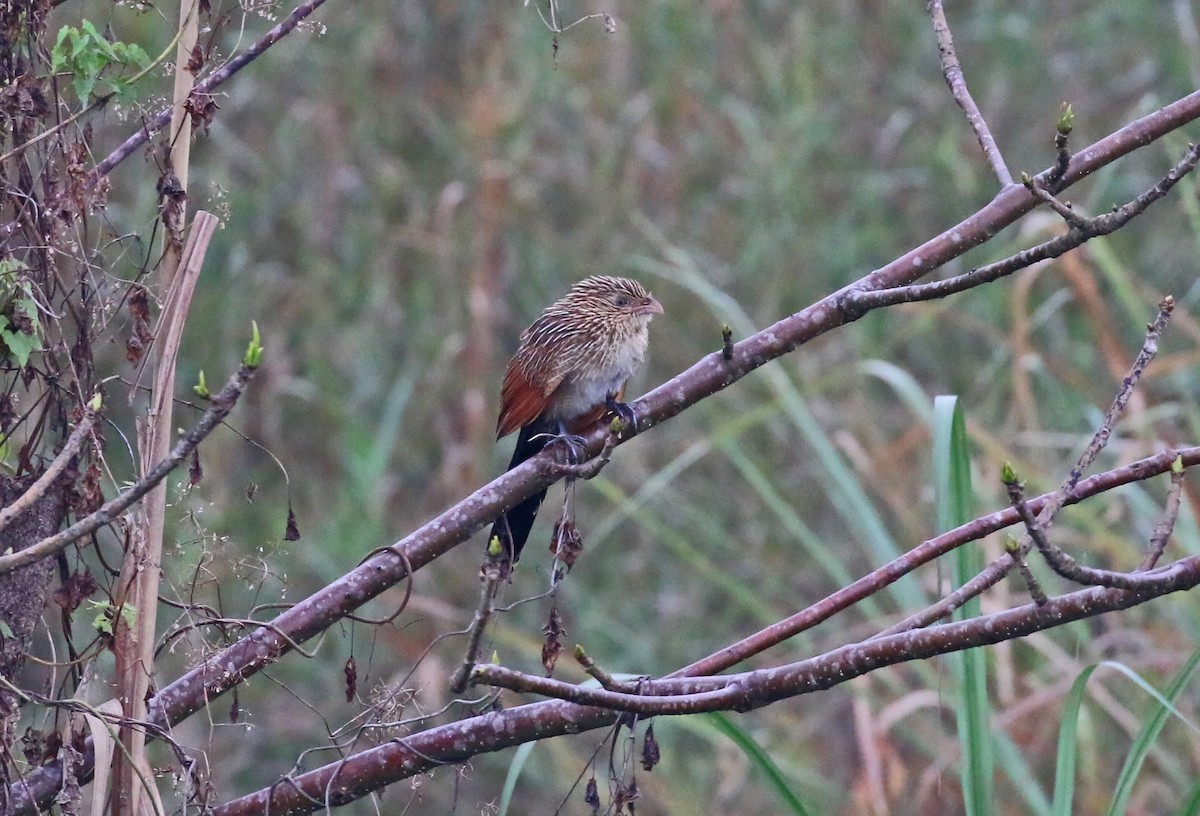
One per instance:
[(512, 528)]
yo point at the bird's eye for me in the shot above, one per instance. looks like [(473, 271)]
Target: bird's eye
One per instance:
[(622, 300)]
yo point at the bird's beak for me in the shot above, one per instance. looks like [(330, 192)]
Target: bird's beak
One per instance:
[(649, 306)]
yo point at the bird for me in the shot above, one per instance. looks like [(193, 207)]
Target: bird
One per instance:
[(569, 370)]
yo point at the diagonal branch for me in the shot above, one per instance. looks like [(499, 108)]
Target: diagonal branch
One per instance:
[(208, 84), (44, 482), (952, 71), (858, 302), (346, 780), (222, 404), (707, 376)]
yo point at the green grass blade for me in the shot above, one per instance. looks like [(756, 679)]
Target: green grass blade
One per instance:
[(842, 486), (761, 760), (952, 489), (1068, 739), (1147, 736), (520, 756)]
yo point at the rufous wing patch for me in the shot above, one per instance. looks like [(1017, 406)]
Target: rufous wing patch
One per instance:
[(520, 402)]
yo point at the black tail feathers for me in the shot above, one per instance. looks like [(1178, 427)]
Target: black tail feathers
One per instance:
[(512, 528)]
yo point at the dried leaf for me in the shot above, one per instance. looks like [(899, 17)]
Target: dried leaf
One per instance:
[(138, 305), (195, 471), (292, 533), (552, 647), (566, 543), (32, 745), (351, 672), (91, 497), (74, 591), (203, 109), (591, 795), (650, 751), (195, 61)]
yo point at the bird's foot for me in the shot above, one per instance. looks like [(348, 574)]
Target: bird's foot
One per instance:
[(574, 445), (623, 412), (588, 469)]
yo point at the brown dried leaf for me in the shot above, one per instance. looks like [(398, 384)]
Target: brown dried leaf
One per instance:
[(351, 672), (195, 470), (292, 533), (74, 591), (138, 305), (203, 109), (591, 795), (650, 751), (552, 647), (195, 61), (566, 543)]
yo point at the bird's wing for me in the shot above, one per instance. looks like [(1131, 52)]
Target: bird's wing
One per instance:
[(520, 401)]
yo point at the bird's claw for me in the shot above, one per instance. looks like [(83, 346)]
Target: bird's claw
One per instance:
[(623, 412), (575, 446)]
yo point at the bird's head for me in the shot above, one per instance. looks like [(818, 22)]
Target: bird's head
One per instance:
[(616, 299)]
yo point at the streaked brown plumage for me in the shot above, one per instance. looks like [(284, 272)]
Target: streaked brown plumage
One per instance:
[(571, 366)]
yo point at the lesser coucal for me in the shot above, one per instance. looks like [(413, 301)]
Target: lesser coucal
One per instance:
[(570, 368)]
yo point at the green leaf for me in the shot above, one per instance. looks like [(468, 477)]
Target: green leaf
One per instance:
[(101, 43), (136, 55), (6, 630), (1064, 770), (83, 85), (58, 54), (20, 345)]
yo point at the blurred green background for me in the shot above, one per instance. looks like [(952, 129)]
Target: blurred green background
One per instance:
[(406, 185)]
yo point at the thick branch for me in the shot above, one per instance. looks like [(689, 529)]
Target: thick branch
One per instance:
[(343, 781)]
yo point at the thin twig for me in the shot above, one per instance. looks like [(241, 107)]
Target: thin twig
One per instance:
[(1162, 530), (222, 404), (1066, 566), (602, 677), (51, 474), (857, 302), (1100, 439), (1013, 548), (208, 84), (1050, 504), (483, 612), (952, 71)]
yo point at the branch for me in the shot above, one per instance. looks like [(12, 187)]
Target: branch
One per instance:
[(856, 303), (207, 85), (38, 488), (707, 376), (952, 71), (222, 404), (349, 779), (994, 572), (924, 553)]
